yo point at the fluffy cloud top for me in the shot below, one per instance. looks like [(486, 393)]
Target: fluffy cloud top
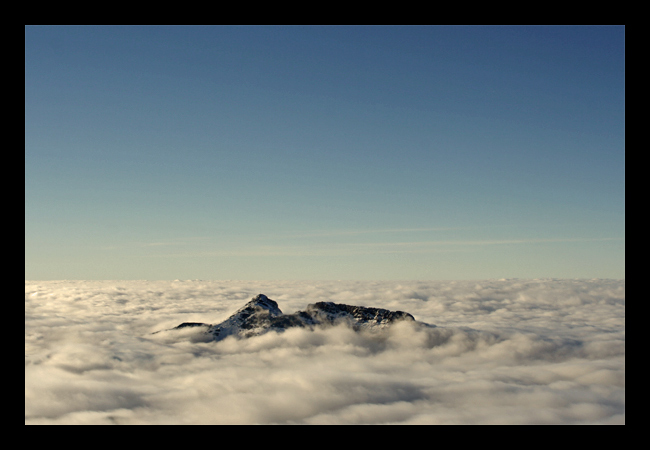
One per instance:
[(503, 351)]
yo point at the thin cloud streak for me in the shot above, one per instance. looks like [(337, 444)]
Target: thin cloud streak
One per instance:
[(373, 231), (358, 248), (313, 234), (486, 242)]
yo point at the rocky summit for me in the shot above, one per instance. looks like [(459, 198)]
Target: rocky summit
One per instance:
[(261, 314)]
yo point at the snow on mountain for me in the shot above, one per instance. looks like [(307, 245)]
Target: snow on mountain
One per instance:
[(261, 314)]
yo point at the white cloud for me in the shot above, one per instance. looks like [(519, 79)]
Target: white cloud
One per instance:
[(508, 351)]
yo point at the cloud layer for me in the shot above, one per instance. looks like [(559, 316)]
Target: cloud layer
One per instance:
[(503, 351)]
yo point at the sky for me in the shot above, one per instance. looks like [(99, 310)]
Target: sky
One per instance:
[(500, 352), (369, 153)]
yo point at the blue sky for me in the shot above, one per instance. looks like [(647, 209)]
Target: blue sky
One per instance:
[(324, 152)]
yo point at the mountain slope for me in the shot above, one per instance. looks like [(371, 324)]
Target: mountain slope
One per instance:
[(261, 314)]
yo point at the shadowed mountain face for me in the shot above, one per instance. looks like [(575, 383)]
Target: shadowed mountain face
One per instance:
[(262, 314)]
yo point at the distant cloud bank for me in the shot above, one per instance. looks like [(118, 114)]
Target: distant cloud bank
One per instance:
[(504, 351)]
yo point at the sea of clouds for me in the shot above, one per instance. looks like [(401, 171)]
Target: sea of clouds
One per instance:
[(503, 352)]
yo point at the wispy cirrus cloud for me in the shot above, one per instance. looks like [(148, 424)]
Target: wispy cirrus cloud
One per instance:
[(334, 233), (355, 248), (483, 242)]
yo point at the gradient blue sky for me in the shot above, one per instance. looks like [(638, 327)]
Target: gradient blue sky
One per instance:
[(324, 152)]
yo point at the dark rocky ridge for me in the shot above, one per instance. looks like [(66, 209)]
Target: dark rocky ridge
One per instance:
[(261, 314)]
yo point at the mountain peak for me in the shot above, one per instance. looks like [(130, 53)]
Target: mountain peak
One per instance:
[(261, 314), (360, 315), (260, 304), (262, 301)]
